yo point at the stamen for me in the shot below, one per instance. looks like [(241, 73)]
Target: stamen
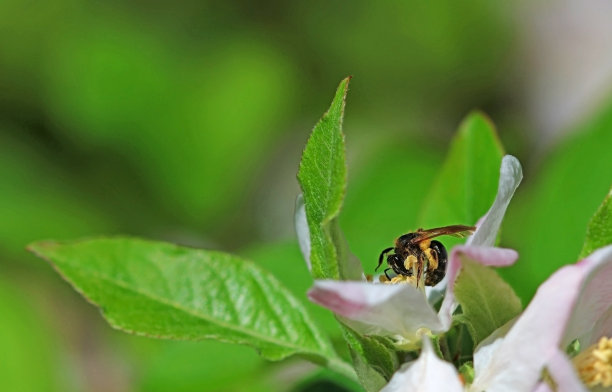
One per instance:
[(594, 365)]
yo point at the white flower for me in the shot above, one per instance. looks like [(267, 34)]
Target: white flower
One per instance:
[(403, 311), (574, 304), (428, 373)]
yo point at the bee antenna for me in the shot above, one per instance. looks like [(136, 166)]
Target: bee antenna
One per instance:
[(380, 258)]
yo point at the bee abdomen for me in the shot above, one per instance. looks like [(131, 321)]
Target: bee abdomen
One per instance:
[(435, 275)]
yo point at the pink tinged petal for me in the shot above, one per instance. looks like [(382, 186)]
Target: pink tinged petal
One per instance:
[(517, 361), (510, 177), (592, 316), (562, 371), (489, 256), (380, 309), (571, 301), (302, 230), (427, 374)]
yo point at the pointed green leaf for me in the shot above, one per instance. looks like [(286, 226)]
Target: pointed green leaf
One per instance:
[(599, 230), (322, 176), (466, 185), (166, 291), (374, 358), (487, 301)]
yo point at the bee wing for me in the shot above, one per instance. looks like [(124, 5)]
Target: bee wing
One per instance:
[(459, 231), (462, 234)]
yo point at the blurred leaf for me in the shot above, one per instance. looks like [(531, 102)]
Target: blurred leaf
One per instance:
[(374, 359), (546, 221), (324, 380), (205, 366), (38, 200), (467, 183), (322, 176), (486, 300), (189, 118), (29, 362), (166, 291), (426, 61), (599, 230)]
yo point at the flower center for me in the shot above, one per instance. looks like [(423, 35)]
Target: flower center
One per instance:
[(594, 365)]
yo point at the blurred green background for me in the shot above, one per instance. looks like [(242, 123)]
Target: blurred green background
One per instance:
[(185, 121)]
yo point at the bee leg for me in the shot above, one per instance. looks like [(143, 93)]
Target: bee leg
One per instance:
[(381, 257), (422, 265), (387, 275)]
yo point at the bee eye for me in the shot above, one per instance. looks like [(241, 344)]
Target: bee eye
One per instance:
[(392, 258)]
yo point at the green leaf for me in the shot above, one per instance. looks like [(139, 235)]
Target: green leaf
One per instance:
[(374, 358), (322, 176), (457, 344), (487, 301), (466, 185), (599, 230), (284, 261), (166, 291)]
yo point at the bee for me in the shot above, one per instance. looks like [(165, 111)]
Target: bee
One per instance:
[(415, 252)]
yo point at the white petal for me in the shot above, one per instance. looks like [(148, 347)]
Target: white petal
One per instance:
[(510, 176), (377, 309), (484, 355), (302, 230), (562, 370), (517, 361), (574, 298), (436, 293), (486, 349), (592, 316), (427, 374), (498, 257)]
